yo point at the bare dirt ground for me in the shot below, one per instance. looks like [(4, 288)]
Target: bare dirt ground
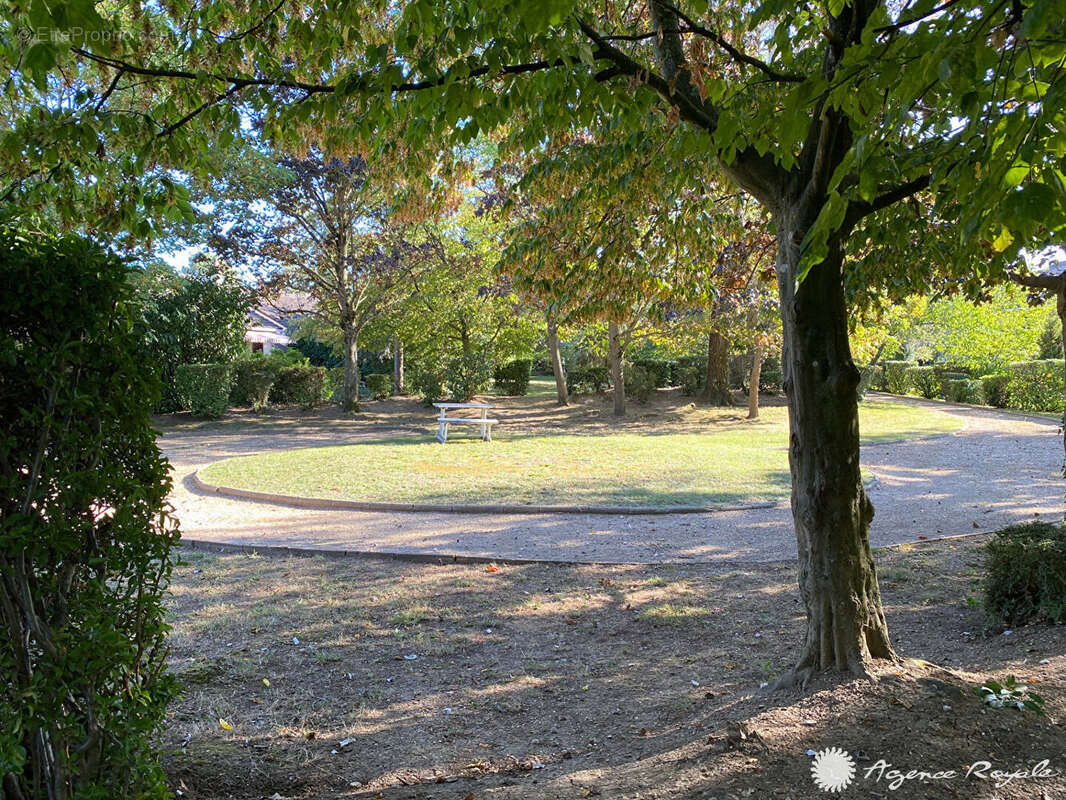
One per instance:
[(374, 678), (1001, 468)]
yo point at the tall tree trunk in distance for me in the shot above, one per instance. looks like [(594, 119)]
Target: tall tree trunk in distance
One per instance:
[(350, 392), (561, 394), (716, 387), (753, 381), (1060, 305), (617, 376), (397, 367), (845, 619)]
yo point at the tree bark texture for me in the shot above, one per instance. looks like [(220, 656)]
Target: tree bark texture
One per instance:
[(397, 367), (350, 392), (617, 372), (753, 382), (716, 386), (561, 394), (832, 514)]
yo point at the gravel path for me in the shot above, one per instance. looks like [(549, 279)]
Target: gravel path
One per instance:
[(1000, 468)]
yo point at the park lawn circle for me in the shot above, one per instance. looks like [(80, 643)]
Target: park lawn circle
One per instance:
[(722, 466)]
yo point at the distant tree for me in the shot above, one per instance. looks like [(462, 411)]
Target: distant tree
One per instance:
[(193, 316), (318, 226)]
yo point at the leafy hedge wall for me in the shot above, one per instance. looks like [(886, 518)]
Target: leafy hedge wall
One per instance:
[(512, 378), (1037, 385), (204, 389), (85, 536)]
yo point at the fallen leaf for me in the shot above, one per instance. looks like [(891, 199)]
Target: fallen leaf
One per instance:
[(266, 682), (492, 568), (225, 725)]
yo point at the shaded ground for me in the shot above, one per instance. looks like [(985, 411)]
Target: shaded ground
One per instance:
[(572, 681), (1001, 468)]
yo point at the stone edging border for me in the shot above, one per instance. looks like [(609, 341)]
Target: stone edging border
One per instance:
[(207, 545), (325, 504)]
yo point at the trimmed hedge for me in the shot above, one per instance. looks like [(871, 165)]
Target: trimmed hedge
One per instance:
[(691, 379), (870, 378), (379, 386), (1026, 573), (428, 384), (923, 380), (304, 386), (963, 390), (639, 383), (994, 389), (896, 381), (204, 388), (252, 381), (659, 370), (85, 529), (1036, 385), (512, 378), (587, 379)]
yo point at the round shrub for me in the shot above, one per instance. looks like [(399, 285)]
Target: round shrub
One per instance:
[(302, 386), (85, 535), (994, 389), (1026, 573), (691, 379), (203, 389), (379, 386), (1037, 385), (512, 378)]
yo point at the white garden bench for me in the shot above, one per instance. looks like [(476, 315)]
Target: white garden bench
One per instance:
[(444, 420)]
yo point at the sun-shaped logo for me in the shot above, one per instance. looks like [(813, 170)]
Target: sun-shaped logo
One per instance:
[(833, 769)]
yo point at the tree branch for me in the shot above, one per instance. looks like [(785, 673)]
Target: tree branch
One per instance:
[(734, 53), (856, 211)]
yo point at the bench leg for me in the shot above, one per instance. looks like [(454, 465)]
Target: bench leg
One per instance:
[(442, 433)]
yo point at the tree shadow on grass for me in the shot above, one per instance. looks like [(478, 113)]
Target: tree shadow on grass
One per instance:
[(541, 681)]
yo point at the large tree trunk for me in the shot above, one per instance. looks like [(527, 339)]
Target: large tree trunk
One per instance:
[(561, 394), (614, 341), (397, 367), (845, 620), (350, 392), (716, 387), (753, 381)]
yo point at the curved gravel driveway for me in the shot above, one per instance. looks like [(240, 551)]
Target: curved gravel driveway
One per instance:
[(1000, 468)]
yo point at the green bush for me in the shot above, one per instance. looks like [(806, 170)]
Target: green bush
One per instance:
[(691, 379), (683, 366), (1050, 342), (994, 389), (660, 370), (85, 534), (302, 386), (870, 378), (252, 380), (467, 375), (428, 384), (379, 386), (203, 389), (512, 378), (945, 377), (1036, 385), (334, 384), (587, 379), (639, 383), (1026, 573), (896, 381), (318, 354), (923, 380), (963, 390)]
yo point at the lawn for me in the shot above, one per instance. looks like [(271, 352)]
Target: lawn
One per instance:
[(374, 678), (725, 462)]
